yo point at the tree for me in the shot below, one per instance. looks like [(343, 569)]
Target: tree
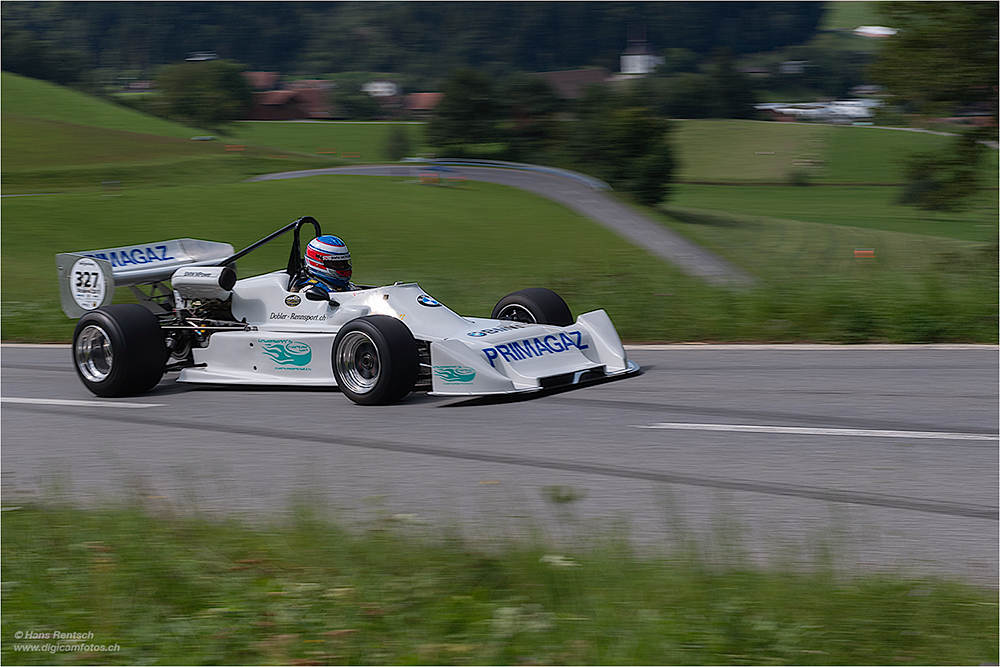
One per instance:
[(676, 61), (944, 55), (38, 59), (719, 91), (529, 111), (350, 101), (468, 112), (943, 60), (942, 180), (206, 94), (688, 95), (397, 144), (733, 93), (626, 144)]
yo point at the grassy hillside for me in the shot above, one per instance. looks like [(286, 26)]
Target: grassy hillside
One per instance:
[(56, 139), (32, 143), (468, 247), (933, 277), (42, 100), (462, 245)]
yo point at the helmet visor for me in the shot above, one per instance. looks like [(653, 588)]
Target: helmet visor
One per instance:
[(341, 266)]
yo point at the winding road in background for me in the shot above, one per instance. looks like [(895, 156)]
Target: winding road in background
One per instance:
[(886, 455), (587, 196)]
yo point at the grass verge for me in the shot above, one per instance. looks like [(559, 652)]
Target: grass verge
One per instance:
[(188, 590), (852, 284)]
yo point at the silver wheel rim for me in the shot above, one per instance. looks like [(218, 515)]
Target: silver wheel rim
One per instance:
[(94, 356), (358, 365), (515, 312)]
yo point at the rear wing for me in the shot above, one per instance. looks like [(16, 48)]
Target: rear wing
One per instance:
[(87, 280)]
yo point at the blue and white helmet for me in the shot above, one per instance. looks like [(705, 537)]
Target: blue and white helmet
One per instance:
[(329, 261)]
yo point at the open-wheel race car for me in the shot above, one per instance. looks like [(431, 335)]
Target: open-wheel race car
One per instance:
[(376, 344)]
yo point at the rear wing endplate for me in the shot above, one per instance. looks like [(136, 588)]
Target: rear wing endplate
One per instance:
[(87, 280)]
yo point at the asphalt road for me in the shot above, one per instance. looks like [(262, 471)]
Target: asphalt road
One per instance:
[(580, 193), (886, 454)]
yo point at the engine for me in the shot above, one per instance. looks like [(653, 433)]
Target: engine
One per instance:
[(202, 304), (204, 283)]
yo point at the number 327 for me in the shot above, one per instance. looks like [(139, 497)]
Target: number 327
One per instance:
[(87, 278)]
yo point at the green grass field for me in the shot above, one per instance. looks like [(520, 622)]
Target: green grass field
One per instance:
[(455, 241), (933, 278), (349, 141), (742, 152), (863, 207)]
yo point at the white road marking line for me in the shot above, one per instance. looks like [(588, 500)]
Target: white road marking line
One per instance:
[(806, 430), (78, 404)]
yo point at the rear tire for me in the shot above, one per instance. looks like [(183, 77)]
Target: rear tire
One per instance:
[(119, 350), (534, 305), (375, 360)]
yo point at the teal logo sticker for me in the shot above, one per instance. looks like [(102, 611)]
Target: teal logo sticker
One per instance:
[(287, 352), (455, 374)]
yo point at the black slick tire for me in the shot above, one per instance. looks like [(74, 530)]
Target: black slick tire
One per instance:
[(536, 305), (375, 360), (119, 350)]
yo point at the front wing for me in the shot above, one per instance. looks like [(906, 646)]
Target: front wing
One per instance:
[(528, 357)]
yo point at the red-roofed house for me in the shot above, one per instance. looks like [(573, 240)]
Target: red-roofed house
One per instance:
[(421, 105), (298, 100), (262, 80)]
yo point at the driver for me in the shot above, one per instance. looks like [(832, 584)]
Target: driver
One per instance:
[(328, 266)]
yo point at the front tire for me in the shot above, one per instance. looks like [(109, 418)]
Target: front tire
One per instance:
[(534, 305), (375, 360), (119, 350)]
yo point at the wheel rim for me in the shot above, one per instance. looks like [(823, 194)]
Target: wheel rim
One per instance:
[(358, 365), (94, 355), (515, 312)]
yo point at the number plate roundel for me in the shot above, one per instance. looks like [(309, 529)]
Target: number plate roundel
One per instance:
[(87, 283)]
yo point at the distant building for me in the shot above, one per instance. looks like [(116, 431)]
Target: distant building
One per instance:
[(874, 31), (639, 57), (202, 55), (262, 80), (421, 105), (296, 100), (381, 88)]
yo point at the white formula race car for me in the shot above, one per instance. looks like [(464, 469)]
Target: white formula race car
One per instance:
[(376, 344)]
